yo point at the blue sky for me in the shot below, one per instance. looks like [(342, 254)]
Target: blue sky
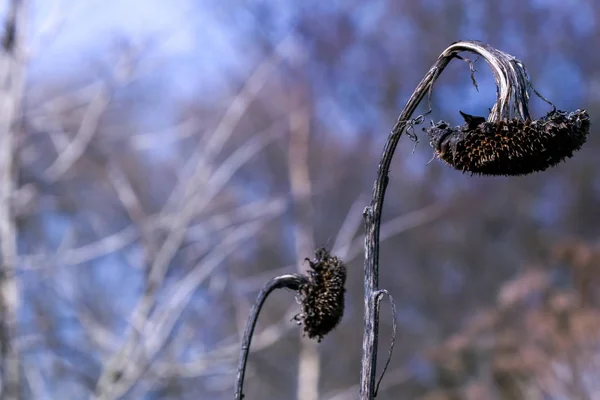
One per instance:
[(182, 32), (191, 41), (91, 23)]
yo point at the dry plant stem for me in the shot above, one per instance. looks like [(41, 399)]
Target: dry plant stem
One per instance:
[(292, 282), (501, 65)]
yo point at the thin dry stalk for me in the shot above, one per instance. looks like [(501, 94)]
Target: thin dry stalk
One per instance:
[(293, 282)]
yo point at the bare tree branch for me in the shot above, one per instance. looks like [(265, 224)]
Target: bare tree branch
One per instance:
[(227, 352), (89, 125), (154, 331), (115, 242), (215, 141), (178, 228)]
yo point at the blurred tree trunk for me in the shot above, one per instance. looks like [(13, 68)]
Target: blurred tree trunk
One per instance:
[(300, 185), (11, 81)]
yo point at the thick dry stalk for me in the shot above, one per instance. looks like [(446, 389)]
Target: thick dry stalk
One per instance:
[(292, 282), (512, 84)]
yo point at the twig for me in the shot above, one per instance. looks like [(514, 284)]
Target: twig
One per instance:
[(379, 296), (204, 155), (395, 227), (89, 126), (372, 214), (226, 352), (293, 282)]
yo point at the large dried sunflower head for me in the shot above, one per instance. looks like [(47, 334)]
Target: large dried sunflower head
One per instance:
[(509, 141), (322, 297), (510, 147)]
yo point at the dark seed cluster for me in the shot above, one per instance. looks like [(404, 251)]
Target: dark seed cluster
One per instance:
[(323, 296), (510, 147)]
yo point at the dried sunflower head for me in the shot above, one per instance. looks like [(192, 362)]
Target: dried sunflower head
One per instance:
[(509, 141), (322, 297), (510, 147)]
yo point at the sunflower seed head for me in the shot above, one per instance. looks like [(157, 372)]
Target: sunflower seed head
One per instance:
[(322, 298), (510, 147)]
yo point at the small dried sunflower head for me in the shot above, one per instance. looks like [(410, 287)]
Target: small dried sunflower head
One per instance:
[(322, 297)]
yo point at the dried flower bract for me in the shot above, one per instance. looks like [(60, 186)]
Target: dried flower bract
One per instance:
[(323, 295)]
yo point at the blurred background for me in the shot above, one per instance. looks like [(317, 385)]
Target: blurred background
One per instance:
[(161, 160)]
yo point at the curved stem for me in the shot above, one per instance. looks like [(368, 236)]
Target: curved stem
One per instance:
[(507, 80), (510, 74), (291, 281)]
